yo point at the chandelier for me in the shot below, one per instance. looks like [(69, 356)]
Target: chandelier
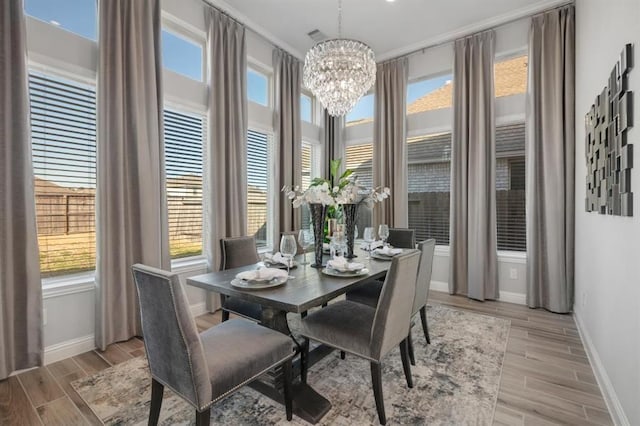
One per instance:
[(339, 71)]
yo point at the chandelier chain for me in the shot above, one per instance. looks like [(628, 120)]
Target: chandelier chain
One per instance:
[(339, 18)]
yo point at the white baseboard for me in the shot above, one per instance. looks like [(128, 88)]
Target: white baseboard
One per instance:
[(199, 309), (505, 296), (610, 397), (69, 348)]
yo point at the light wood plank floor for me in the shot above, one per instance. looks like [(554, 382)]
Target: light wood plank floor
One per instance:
[(546, 377)]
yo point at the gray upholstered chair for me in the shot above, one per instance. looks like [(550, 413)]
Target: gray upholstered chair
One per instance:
[(202, 368), (237, 252), (369, 332), (369, 293), (402, 237)]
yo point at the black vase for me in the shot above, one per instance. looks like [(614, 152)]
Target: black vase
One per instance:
[(350, 211), (318, 213)]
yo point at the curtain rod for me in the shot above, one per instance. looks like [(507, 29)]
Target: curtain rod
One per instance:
[(452, 40), (246, 27)]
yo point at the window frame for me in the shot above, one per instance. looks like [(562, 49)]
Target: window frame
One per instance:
[(312, 99), (447, 72), (268, 74), (185, 31)]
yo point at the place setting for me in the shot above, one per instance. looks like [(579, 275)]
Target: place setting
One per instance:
[(341, 267)]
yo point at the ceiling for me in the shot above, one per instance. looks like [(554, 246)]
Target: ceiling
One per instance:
[(390, 28)]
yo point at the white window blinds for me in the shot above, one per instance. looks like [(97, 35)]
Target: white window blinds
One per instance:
[(258, 187)]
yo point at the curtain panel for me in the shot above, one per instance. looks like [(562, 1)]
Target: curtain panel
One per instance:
[(131, 211), (550, 149), (473, 235), (225, 189), (20, 285), (390, 142), (288, 147)]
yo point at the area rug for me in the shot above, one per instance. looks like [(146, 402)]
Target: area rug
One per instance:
[(456, 382)]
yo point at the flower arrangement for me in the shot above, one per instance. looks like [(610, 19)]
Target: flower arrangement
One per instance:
[(347, 190)]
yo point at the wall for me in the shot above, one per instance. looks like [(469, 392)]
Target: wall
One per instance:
[(607, 268)]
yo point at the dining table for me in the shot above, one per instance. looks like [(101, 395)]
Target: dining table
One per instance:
[(306, 288)]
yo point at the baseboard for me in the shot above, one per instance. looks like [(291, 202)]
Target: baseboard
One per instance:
[(69, 348), (199, 309), (608, 392), (505, 296)]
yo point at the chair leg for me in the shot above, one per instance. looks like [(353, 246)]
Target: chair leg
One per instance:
[(304, 361), (376, 380), (412, 355), (343, 355), (406, 366), (225, 315), (203, 418), (324, 305), (157, 390), (288, 404), (425, 328)]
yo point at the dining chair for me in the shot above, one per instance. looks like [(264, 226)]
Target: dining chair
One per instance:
[(368, 332), (369, 293), (402, 237), (237, 252), (202, 368)]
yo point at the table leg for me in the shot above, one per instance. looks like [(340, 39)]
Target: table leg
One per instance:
[(307, 403)]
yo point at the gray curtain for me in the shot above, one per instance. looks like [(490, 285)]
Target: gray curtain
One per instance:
[(332, 140), (390, 141), (20, 286), (288, 146), (226, 154), (473, 246), (131, 220), (550, 148)]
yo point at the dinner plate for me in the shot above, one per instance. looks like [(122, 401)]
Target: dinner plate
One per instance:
[(381, 256), (248, 285), (333, 273), (279, 265)]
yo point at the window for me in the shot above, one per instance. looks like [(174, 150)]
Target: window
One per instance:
[(510, 76), (362, 112), (430, 94), (306, 108), (310, 170), (257, 87), (181, 55), (429, 169), (76, 16), (258, 186), (63, 132), (359, 158), (184, 135), (510, 187)]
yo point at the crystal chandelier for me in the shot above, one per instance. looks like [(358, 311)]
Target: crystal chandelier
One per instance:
[(339, 71)]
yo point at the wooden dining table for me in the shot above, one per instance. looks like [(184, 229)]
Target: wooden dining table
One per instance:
[(306, 288)]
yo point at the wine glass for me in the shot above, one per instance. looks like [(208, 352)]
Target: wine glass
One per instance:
[(339, 240), (305, 239), (383, 233), (369, 237), (288, 249)]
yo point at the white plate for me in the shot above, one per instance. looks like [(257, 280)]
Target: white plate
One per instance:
[(279, 265), (381, 256), (246, 285), (334, 273)]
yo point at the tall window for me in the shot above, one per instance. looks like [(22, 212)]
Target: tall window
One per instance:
[(76, 16), (258, 185), (306, 108), (430, 94), (181, 55), (257, 87), (362, 112), (359, 158), (183, 141), (510, 187), (429, 168), (63, 131), (510, 76)]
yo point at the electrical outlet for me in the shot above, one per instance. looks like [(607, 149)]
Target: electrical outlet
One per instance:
[(44, 317), (513, 273)]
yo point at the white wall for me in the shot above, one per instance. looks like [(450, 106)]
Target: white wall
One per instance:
[(607, 268)]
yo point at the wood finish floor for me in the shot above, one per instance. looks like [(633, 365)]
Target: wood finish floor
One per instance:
[(546, 377)]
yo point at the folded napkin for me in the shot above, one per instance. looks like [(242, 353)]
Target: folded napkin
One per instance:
[(341, 264), (374, 245), (262, 275), (276, 258), (388, 251)]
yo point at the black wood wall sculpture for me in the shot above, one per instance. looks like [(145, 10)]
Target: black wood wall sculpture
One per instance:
[(608, 151)]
